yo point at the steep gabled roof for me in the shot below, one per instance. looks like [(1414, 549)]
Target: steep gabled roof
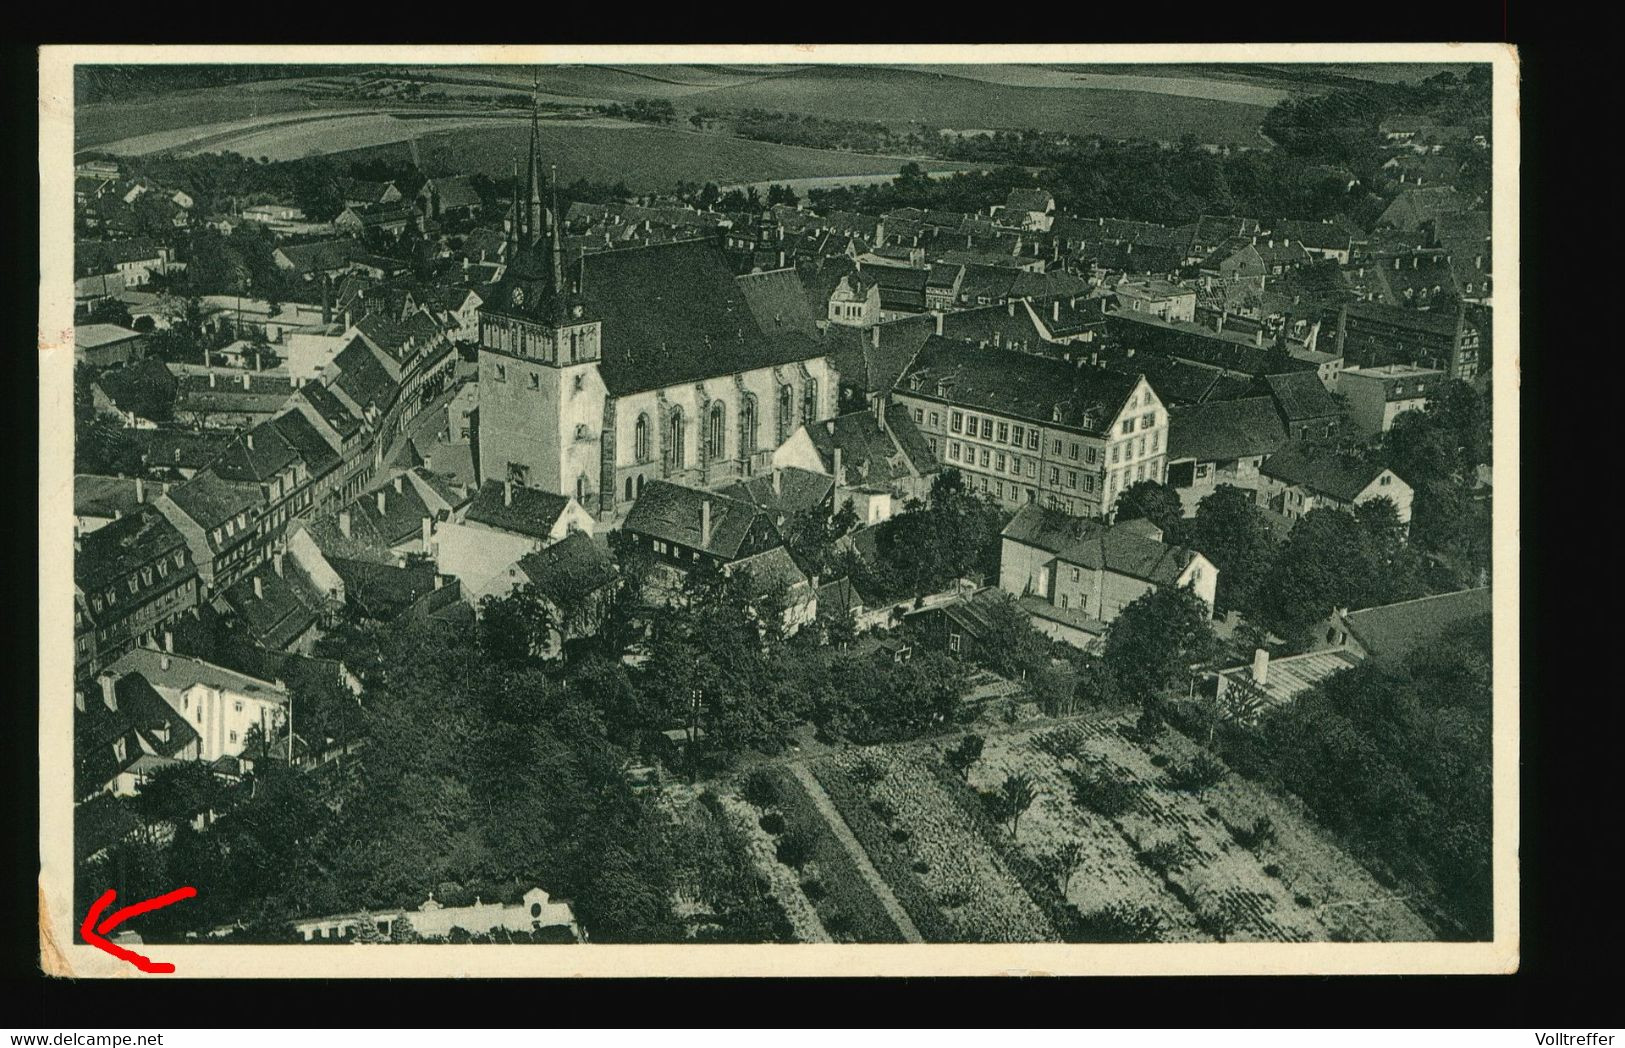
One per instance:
[(1221, 430), (1019, 385), (1342, 477), (1393, 631), (672, 512), (109, 553), (1121, 549), (779, 302), (1300, 395), (530, 511)]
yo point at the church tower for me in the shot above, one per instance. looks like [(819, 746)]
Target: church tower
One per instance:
[(541, 398)]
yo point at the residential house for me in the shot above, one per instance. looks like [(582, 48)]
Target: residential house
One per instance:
[(123, 731), (370, 194), (684, 527), (279, 605), (1295, 480), (1414, 208), (132, 578), (1220, 442), (1370, 333), (356, 220), (962, 626), (104, 345), (1073, 577), (1030, 208), (1157, 298), (452, 197), (219, 705), (1392, 632), (878, 458), (1378, 395), (140, 393), (576, 578), (1305, 406), (855, 301), (500, 525)]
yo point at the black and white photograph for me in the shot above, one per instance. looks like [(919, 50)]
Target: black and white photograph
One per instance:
[(875, 497)]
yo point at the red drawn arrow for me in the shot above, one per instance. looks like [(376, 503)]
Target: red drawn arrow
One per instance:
[(94, 933)]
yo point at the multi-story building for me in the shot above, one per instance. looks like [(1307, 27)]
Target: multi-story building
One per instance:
[(1378, 395), (132, 578), (1296, 480), (1372, 333), (1025, 429), (219, 704), (632, 366)]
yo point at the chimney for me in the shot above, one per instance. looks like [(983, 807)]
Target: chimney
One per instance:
[(140, 490), (428, 530), (169, 641), (382, 495), (211, 378), (507, 493), (163, 661), (705, 524), (1261, 667), (1010, 307), (1055, 312), (259, 588), (109, 693), (344, 522), (439, 580), (938, 316), (276, 563), (245, 380), (248, 439), (874, 336), (79, 700), (398, 483), (840, 471)]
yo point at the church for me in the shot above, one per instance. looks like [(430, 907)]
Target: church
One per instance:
[(623, 367)]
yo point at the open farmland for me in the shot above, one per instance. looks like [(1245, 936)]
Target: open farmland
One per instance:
[(1227, 862), (646, 158)]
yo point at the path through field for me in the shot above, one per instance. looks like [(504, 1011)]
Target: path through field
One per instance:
[(838, 826)]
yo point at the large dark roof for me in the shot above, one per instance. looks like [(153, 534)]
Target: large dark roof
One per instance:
[(111, 552), (1341, 476), (1300, 395), (1121, 550), (871, 455), (871, 368), (142, 721), (145, 387), (531, 511), (569, 569), (210, 500), (670, 314), (331, 409), (362, 378), (672, 512), (1395, 630), (779, 302), (1019, 385), (1224, 429)]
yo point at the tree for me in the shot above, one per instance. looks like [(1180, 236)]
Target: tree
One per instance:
[(1328, 562), (964, 755), (1230, 530), (517, 627), (1153, 643), (1157, 503), (1015, 796), (1062, 863), (780, 194)]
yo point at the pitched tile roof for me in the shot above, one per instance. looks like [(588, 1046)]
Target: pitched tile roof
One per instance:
[(145, 724), (1395, 630), (871, 456), (111, 552), (1342, 477), (169, 673), (799, 490), (672, 512), (1300, 395), (531, 511), (1019, 385), (778, 301), (1120, 549), (1222, 430), (569, 569), (331, 409), (145, 387), (286, 605), (362, 378)]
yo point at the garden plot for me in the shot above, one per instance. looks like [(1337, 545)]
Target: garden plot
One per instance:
[(1187, 850), (759, 846), (946, 874)]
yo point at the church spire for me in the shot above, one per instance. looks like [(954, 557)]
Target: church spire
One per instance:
[(534, 230), (556, 232), (514, 212)]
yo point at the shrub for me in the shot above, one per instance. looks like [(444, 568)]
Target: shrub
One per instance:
[(1159, 760), (962, 756), (867, 769), (1102, 794), (1212, 812), (1163, 857), (954, 898), (838, 923), (1303, 900), (814, 889), (1201, 772), (900, 835), (1120, 923), (881, 808), (1272, 870), (795, 849), (772, 822), (760, 788), (1261, 832), (921, 866)]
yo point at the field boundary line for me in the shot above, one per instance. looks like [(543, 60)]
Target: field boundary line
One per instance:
[(843, 834)]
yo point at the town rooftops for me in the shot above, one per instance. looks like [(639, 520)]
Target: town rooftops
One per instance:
[(872, 367), (321, 255), (210, 500), (331, 409), (170, 673), (1287, 678), (873, 456), (139, 722), (778, 302), (515, 508), (677, 514), (569, 569), (179, 448), (1121, 549), (275, 607), (1029, 200), (1300, 395), (1392, 631), (362, 378), (784, 492), (144, 387), (1018, 385), (135, 540), (95, 336), (1399, 381), (1224, 429), (1342, 477)]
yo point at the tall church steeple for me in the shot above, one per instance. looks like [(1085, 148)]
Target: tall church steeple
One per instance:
[(555, 233), (534, 229)]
